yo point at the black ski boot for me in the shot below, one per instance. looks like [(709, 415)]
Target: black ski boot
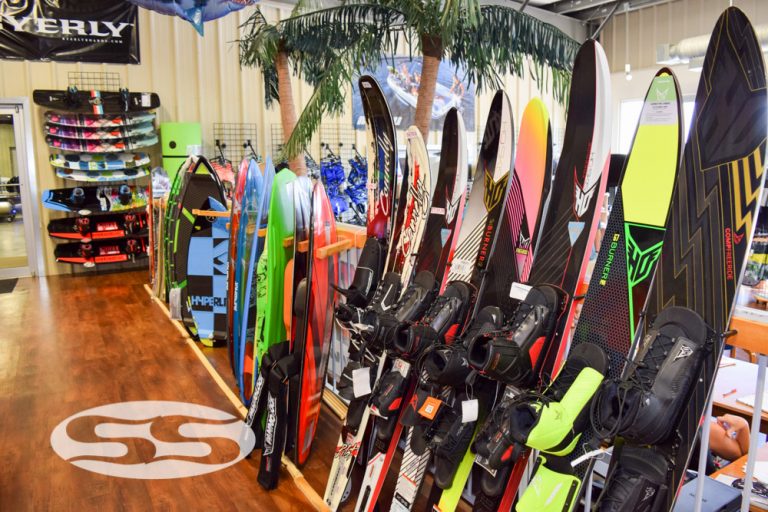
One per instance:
[(515, 354), (446, 365), (446, 316), (410, 308), (365, 280), (553, 421), (360, 356), (637, 483), (644, 407)]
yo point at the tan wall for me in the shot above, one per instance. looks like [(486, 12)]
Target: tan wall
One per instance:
[(632, 37), (7, 141), (198, 79)]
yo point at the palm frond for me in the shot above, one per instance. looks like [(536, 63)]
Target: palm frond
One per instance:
[(329, 97), (258, 48), (507, 37), (324, 33)]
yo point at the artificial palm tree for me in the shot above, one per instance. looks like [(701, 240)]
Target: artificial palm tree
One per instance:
[(360, 33), (329, 45)]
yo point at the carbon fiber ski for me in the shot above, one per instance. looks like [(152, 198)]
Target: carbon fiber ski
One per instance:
[(382, 215), (442, 230), (632, 240), (382, 158), (567, 234), (475, 247), (711, 223)]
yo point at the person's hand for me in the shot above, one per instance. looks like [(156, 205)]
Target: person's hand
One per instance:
[(733, 424), (736, 428)]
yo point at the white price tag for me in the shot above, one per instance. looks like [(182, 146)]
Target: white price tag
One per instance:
[(469, 410), (146, 99), (361, 382), (519, 291), (402, 367)]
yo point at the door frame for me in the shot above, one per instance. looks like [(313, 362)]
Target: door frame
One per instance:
[(25, 159)]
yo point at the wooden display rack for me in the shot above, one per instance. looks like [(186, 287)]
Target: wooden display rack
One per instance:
[(349, 237)]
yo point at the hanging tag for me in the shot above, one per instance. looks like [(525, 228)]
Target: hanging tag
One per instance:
[(430, 407), (469, 409), (361, 382), (146, 99), (174, 303), (519, 291)]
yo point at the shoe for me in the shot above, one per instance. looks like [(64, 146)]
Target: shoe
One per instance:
[(450, 443), (495, 442), (645, 407), (515, 354), (553, 488), (552, 422), (360, 356), (388, 395), (637, 484), (446, 317), (410, 308), (447, 365), (363, 320), (367, 274)]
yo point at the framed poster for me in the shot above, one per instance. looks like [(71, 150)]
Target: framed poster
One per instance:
[(399, 80)]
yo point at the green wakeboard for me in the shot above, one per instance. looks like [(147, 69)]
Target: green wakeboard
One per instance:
[(270, 326)]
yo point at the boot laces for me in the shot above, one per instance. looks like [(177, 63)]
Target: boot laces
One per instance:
[(521, 313), (436, 308)]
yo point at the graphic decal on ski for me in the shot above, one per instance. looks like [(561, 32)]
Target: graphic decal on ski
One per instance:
[(707, 239)]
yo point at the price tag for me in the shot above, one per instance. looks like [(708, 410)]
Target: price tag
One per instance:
[(469, 409), (519, 291), (430, 407), (361, 382), (146, 99)]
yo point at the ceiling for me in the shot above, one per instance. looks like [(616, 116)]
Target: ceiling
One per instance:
[(592, 10)]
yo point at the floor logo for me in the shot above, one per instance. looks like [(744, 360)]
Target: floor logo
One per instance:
[(152, 440)]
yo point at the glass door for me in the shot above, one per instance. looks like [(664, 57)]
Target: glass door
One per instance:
[(18, 236)]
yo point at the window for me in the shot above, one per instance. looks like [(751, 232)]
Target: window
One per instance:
[(629, 115)]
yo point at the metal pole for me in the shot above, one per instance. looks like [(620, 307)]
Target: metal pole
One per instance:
[(588, 489), (703, 454), (525, 4), (602, 24), (754, 435)]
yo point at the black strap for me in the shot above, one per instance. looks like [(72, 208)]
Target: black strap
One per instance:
[(276, 426), (259, 397)]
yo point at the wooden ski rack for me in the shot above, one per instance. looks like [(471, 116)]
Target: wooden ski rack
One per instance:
[(210, 213), (314, 499), (322, 252)]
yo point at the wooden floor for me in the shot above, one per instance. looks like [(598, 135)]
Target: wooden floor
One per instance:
[(69, 343)]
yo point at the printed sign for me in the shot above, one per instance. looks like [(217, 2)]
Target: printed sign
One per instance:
[(70, 30)]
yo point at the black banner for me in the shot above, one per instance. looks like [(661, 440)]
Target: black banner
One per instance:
[(70, 30)]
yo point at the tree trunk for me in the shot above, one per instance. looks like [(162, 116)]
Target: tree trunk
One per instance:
[(432, 51), (288, 108)]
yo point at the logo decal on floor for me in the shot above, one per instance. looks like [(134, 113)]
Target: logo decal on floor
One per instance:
[(152, 440)]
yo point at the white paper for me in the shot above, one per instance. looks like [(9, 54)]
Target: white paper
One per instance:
[(469, 410), (146, 99), (750, 401), (361, 382), (519, 291)]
